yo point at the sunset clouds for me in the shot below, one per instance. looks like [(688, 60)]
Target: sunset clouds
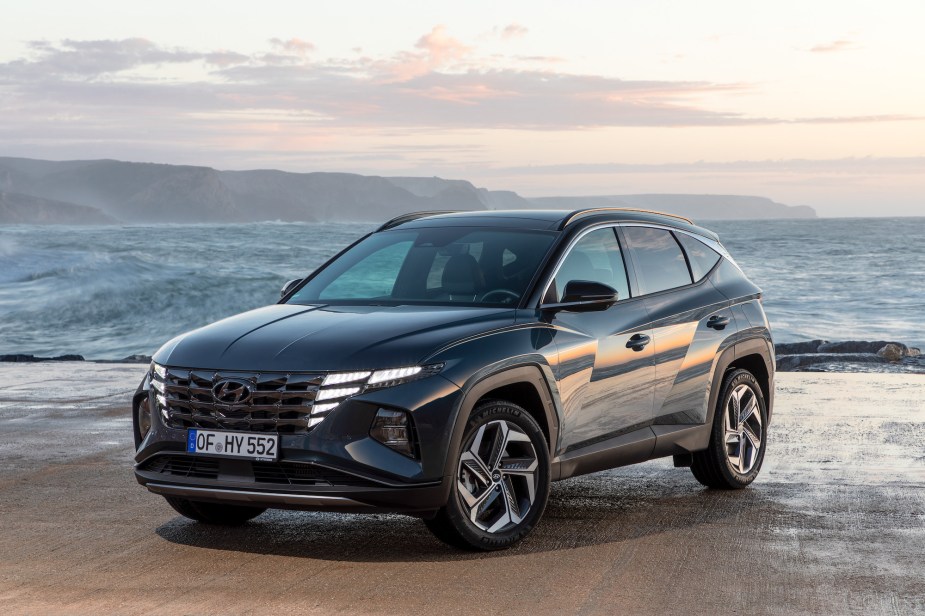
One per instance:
[(439, 81)]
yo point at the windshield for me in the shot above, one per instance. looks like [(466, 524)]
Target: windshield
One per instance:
[(449, 265)]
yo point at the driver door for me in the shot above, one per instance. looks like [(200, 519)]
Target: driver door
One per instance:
[(606, 367)]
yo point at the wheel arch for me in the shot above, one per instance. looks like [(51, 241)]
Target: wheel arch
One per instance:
[(755, 355), (525, 385), (752, 354)]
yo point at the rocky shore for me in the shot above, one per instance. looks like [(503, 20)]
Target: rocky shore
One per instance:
[(849, 356), (807, 356)]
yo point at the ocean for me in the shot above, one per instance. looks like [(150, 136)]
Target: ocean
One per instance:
[(107, 292)]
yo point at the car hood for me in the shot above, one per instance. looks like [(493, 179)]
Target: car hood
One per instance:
[(289, 337)]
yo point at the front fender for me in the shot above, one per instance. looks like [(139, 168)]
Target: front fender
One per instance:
[(522, 354)]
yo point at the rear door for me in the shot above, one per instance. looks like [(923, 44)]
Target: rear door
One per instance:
[(605, 357), (690, 318)]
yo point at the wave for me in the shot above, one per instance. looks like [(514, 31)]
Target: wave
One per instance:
[(110, 292)]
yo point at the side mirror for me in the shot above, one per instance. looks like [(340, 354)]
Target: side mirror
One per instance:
[(289, 286), (585, 296)]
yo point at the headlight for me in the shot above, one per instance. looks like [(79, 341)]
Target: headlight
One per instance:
[(338, 386)]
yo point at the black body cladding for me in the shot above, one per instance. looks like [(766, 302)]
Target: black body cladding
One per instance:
[(609, 380)]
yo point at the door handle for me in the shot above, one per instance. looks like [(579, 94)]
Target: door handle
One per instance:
[(718, 322), (637, 342)]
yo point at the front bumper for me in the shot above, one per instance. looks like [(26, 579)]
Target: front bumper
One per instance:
[(284, 485), (245, 497), (336, 466)]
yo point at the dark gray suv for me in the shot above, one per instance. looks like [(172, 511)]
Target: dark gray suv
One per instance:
[(451, 365)]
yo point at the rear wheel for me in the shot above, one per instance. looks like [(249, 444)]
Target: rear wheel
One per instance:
[(502, 480), (213, 513), (739, 437)]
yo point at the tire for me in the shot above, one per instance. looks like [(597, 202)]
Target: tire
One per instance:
[(737, 441), (213, 513), (502, 480)]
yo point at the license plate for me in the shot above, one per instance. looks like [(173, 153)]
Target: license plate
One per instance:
[(233, 444)]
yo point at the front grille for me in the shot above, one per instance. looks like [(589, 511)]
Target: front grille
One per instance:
[(279, 402), (285, 473)]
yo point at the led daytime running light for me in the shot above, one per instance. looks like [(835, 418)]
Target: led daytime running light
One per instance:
[(340, 392), (318, 409), (344, 377), (160, 371), (381, 376)]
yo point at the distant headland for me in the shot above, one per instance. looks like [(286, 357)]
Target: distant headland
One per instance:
[(111, 192)]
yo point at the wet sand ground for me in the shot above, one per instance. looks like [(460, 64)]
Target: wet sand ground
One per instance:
[(835, 524)]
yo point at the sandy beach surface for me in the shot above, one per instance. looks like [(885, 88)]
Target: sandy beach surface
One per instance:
[(835, 524)]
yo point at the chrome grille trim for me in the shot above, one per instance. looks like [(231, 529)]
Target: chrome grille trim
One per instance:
[(281, 402)]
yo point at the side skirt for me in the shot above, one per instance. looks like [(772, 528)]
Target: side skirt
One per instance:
[(648, 443), (630, 448)]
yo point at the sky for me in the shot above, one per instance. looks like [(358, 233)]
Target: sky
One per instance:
[(816, 103)]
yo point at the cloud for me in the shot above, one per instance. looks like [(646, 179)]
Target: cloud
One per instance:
[(866, 119), (839, 45), (441, 47), (434, 51), (289, 97), (513, 30), (440, 82), (102, 57), (293, 45)]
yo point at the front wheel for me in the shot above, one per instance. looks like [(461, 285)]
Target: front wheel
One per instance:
[(501, 483), (739, 435), (213, 513)]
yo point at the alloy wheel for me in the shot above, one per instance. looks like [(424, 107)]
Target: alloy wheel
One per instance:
[(497, 476), (743, 429)]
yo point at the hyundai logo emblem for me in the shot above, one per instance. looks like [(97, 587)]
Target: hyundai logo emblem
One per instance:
[(232, 391)]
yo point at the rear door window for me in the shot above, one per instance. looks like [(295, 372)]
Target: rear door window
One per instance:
[(659, 260)]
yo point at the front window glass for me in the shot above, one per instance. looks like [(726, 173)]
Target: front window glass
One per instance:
[(448, 265), (596, 257)]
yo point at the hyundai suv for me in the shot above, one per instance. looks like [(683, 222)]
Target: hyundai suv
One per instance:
[(450, 366)]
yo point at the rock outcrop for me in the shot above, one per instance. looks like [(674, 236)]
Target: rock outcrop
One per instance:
[(817, 354)]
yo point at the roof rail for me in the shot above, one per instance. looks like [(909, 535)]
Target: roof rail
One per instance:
[(400, 220), (594, 210)]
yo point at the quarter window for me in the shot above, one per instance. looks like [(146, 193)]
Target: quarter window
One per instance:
[(701, 257), (658, 259), (595, 257)]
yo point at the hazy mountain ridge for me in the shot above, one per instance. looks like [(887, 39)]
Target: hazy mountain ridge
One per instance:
[(710, 207), (109, 190), (146, 192), (26, 209)]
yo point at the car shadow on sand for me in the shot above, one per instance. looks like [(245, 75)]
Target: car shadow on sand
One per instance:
[(585, 511)]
